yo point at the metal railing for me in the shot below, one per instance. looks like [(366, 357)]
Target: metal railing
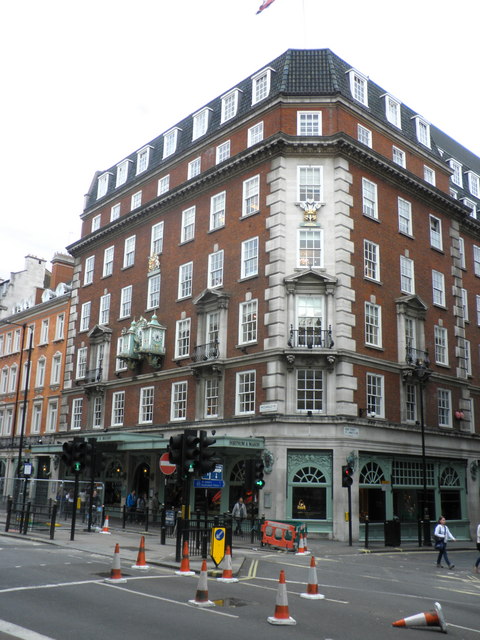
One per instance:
[(417, 357), (93, 375), (311, 338), (208, 351)]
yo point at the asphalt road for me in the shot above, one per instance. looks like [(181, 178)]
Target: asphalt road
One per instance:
[(60, 593)]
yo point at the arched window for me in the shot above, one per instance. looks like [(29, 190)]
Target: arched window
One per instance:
[(371, 473), (309, 494), (449, 478)]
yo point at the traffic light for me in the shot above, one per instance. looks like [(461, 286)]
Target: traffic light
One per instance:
[(175, 450), (67, 454), (77, 455), (88, 455), (249, 481), (206, 459), (191, 451), (258, 480), (347, 476), (100, 463)]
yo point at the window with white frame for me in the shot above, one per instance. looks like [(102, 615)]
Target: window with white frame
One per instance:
[(143, 158), (200, 123), (188, 225), (215, 269), (245, 392), (309, 123), (56, 369), (13, 378), (60, 327), (422, 129), (85, 316), (153, 294), (441, 345), (136, 200), (120, 365), (81, 362), (16, 340), (436, 233), (118, 408), (96, 222), (251, 196), (476, 260), (438, 288), (255, 134), (185, 278), (178, 409), (2, 341), (261, 85), (163, 185), (477, 307), (473, 184), (247, 330), (4, 382), (222, 152), (407, 275), (229, 105), (40, 375), (104, 313), (211, 398), (373, 324), (126, 301), (310, 248), (467, 357), (358, 86), (156, 239), (461, 252), (129, 252), (309, 390), (470, 204), (444, 405), (249, 264), (375, 395), (26, 369), (44, 331), (405, 217), (36, 417), (371, 260), (97, 417), (7, 428), (429, 175), (457, 175), (194, 168), (115, 212), (182, 338), (213, 327), (217, 210), (8, 343), (122, 172), (399, 157), (411, 402), (364, 135), (52, 415), (89, 268), (369, 198), (170, 142), (309, 181), (102, 185), (392, 111), (108, 261), (77, 408), (464, 294), (145, 413)]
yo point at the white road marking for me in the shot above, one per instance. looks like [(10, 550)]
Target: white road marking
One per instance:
[(20, 632)]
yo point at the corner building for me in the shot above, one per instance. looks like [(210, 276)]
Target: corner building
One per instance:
[(294, 266)]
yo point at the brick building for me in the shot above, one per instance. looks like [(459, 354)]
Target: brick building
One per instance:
[(293, 266)]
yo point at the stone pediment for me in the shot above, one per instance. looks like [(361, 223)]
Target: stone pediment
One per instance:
[(309, 278)]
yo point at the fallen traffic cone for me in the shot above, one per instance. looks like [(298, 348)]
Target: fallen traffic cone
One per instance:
[(141, 563), (105, 528), (301, 547), (281, 615), (427, 619), (227, 575), (116, 572), (185, 564), (201, 597), (312, 586)]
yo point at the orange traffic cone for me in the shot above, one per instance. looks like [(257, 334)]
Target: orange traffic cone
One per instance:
[(427, 619), (312, 586), (141, 563), (227, 575), (105, 528), (301, 546), (116, 572), (281, 615), (305, 549), (201, 597), (185, 564)]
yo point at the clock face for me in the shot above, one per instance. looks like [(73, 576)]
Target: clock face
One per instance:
[(156, 336)]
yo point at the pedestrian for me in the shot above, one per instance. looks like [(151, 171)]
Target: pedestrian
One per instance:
[(131, 505), (442, 535), (239, 512), (477, 563), (155, 506), (140, 508)]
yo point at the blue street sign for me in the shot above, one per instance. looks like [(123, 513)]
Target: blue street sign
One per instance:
[(208, 484), (217, 474)]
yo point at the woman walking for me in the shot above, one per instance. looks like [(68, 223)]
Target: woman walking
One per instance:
[(477, 563), (442, 535)]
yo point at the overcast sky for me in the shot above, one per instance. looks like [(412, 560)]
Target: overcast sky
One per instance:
[(86, 83)]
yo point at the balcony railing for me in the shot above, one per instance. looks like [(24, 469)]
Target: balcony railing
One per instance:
[(417, 357), (311, 338), (93, 375), (204, 352)]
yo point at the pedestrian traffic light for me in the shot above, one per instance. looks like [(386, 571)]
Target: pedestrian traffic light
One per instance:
[(206, 459), (67, 454), (191, 452), (77, 455), (258, 480), (87, 455), (347, 476), (175, 450)]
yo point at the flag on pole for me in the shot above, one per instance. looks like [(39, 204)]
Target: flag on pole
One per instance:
[(265, 4)]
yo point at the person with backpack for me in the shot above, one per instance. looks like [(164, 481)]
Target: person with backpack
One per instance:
[(442, 535)]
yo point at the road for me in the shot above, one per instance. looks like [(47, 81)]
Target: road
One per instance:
[(60, 593)]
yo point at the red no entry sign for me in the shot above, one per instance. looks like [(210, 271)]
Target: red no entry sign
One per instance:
[(166, 466)]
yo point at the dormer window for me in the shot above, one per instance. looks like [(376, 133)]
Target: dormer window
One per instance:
[(102, 185), (456, 167), (358, 86), (261, 85), (143, 158), (423, 131), (200, 123), (170, 142), (473, 184), (122, 173), (392, 111), (230, 105)]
